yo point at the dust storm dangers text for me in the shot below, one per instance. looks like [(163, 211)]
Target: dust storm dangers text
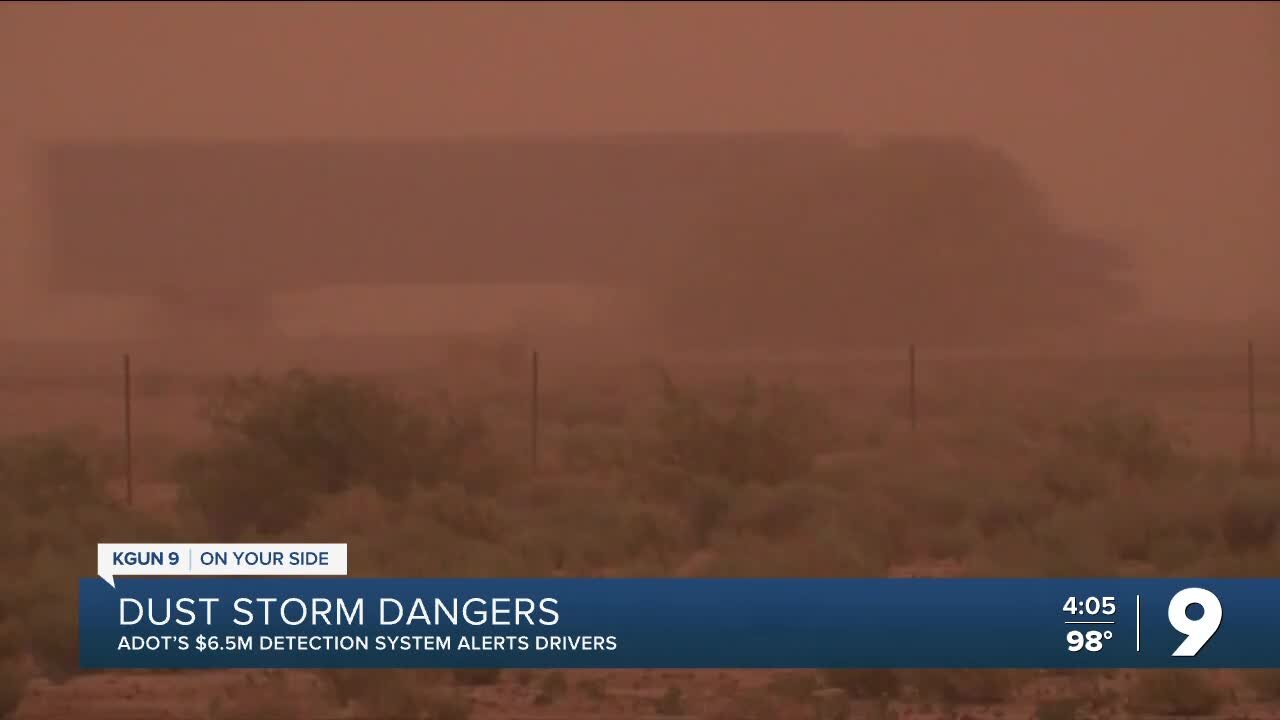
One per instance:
[(322, 611)]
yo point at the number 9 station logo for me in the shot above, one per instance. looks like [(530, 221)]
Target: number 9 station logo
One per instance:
[(1198, 630)]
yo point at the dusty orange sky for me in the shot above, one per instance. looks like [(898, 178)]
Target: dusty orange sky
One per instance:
[(1160, 123)]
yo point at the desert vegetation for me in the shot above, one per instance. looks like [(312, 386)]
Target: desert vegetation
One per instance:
[(669, 471)]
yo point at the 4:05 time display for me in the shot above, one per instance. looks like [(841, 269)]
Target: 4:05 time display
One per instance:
[(1090, 606)]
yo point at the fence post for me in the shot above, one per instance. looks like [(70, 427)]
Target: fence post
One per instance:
[(1253, 424), (128, 431), (911, 384), (533, 413)]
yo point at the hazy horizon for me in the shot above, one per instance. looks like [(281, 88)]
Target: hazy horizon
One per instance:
[(1158, 126)]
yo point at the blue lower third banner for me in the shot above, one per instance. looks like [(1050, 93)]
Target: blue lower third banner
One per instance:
[(677, 623)]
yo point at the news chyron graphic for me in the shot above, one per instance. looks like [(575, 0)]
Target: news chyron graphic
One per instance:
[(220, 559), (292, 606)]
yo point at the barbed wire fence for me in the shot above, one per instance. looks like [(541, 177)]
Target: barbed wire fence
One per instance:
[(921, 373)]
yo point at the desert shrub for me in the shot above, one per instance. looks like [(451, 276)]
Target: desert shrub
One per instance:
[(864, 684), (932, 498), (775, 513), (965, 687), (707, 508), (648, 532), (474, 517), (769, 434), (532, 530), (1176, 692), (234, 489), (1159, 533), (594, 688), (13, 683), (280, 442), (919, 514), (586, 448), (410, 541), (590, 405), (447, 705), (797, 685), (753, 704), (1250, 520), (704, 501), (553, 686), (1169, 531), (350, 686), (1135, 442), (1160, 547), (53, 511), (11, 639), (1016, 512), (1265, 684), (381, 693), (671, 702), (1068, 709), (1073, 477), (52, 636), (477, 676), (266, 698), (626, 536), (826, 550), (1260, 462), (1055, 548), (47, 472), (466, 451), (475, 528)]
